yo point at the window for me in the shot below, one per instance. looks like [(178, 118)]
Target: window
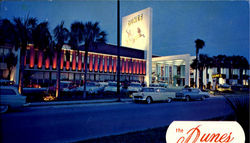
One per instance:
[(147, 90), (7, 92), (195, 90), (162, 90)]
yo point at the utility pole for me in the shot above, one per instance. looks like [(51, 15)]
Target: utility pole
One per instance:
[(118, 51)]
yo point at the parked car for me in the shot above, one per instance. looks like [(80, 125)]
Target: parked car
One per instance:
[(10, 98), (91, 88), (191, 94), (163, 85), (151, 94), (224, 88), (154, 85), (65, 86), (111, 88), (134, 87)]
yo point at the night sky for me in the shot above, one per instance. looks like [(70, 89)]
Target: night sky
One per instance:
[(223, 25)]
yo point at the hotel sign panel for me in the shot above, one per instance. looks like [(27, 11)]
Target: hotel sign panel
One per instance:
[(137, 34), (136, 29)]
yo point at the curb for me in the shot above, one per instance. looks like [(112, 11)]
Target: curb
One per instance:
[(72, 102)]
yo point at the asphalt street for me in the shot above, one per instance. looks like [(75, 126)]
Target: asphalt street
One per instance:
[(68, 123)]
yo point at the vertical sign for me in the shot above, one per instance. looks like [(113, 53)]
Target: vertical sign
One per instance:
[(137, 34)]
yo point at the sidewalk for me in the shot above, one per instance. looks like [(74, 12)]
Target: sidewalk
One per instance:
[(51, 103)]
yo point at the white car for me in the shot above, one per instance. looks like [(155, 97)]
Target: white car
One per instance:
[(134, 87), (91, 88), (192, 94), (151, 94), (111, 88), (10, 98)]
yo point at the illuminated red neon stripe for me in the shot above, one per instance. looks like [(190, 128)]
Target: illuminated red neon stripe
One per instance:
[(114, 64), (40, 59), (101, 63), (105, 63), (134, 66), (123, 65), (62, 59), (126, 65), (73, 60), (54, 64), (140, 67), (80, 61), (110, 64), (83, 55), (32, 56), (130, 66), (144, 67), (90, 62), (47, 62), (96, 63), (137, 67)]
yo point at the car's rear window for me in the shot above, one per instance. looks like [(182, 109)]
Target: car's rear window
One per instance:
[(147, 90), (7, 92)]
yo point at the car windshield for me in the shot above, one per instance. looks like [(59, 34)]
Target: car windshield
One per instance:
[(112, 84), (147, 90), (91, 84), (7, 92)]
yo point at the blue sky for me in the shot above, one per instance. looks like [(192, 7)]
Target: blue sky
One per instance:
[(223, 25)]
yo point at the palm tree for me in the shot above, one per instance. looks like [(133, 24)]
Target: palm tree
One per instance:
[(11, 61), (199, 44), (42, 38), (244, 65), (61, 35), (76, 36), (23, 35), (202, 65), (208, 64), (220, 62), (92, 35), (228, 64), (7, 35)]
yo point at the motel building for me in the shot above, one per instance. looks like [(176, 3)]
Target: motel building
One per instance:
[(102, 65), (102, 62), (176, 71)]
